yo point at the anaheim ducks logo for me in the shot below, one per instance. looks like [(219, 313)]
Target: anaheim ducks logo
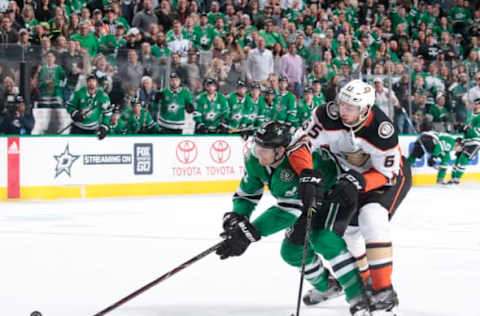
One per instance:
[(332, 110), (358, 158), (386, 130)]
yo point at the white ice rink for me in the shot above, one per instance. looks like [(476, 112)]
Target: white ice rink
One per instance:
[(76, 257)]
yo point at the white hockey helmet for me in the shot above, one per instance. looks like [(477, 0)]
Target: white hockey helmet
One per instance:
[(360, 94)]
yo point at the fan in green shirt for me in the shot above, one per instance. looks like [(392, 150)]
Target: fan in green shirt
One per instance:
[(87, 40)]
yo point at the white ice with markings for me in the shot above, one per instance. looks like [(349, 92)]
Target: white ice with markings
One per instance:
[(76, 257)]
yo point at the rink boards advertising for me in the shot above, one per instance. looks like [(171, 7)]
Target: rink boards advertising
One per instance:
[(50, 167)]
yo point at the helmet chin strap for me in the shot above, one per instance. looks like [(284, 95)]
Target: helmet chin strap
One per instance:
[(361, 121), (276, 151)]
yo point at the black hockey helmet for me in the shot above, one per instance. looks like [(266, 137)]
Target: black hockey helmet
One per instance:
[(209, 81), (273, 134), (92, 76)]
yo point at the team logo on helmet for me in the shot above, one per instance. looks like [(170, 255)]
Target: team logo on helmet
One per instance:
[(386, 130)]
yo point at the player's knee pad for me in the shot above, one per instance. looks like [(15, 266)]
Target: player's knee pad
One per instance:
[(327, 243), (373, 222), (354, 240), (293, 253)]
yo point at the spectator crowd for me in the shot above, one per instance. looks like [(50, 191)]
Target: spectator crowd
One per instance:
[(139, 66)]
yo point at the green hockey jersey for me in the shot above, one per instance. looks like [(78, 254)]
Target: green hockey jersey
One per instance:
[(171, 108), (283, 185), (473, 122), (141, 124), (96, 108), (287, 102), (210, 113), (304, 111)]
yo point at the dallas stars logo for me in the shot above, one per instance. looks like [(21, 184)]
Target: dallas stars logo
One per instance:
[(173, 107), (64, 162)]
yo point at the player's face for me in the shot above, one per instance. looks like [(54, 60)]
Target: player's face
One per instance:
[(174, 83), (266, 156), (92, 84), (476, 107), (211, 88), (349, 113)]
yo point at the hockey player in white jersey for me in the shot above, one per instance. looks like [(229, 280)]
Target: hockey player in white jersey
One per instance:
[(376, 176)]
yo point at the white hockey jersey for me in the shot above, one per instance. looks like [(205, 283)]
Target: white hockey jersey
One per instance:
[(372, 150)]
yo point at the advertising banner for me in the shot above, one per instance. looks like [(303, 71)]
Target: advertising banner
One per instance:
[(83, 166)]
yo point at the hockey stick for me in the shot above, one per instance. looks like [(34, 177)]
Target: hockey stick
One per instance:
[(160, 279), (73, 122), (304, 256)]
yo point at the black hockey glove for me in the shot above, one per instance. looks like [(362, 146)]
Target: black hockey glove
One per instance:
[(158, 96), (237, 239), (433, 161), (231, 220), (77, 116), (345, 192), (310, 186), (201, 129), (189, 108), (102, 132), (221, 129)]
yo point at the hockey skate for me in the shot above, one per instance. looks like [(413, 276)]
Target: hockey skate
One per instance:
[(314, 296), (454, 181), (384, 303), (360, 306)]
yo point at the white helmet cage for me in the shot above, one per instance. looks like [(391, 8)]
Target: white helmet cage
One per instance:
[(360, 94)]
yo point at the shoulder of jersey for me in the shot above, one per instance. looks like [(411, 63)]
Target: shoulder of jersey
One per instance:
[(328, 116), (380, 131)]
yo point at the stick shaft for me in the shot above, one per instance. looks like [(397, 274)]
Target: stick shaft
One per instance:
[(160, 279)]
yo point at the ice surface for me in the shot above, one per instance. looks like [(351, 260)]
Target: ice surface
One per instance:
[(76, 257)]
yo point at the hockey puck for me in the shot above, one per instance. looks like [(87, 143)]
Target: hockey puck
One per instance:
[(36, 313)]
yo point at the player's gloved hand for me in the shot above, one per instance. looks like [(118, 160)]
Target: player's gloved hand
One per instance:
[(221, 129), (202, 129), (231, 220), (189, 107), (433, 161), (347, 188), (158, 96), (310, 186), (102, 132), (237, 239), (77, 116)]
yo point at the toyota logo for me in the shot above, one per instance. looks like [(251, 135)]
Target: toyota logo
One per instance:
[(186, 151), (220, 151)]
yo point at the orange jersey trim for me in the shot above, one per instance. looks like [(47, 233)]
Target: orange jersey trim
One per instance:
[(301, 159), (374, 180)]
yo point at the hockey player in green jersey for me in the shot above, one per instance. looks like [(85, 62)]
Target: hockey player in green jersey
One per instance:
[(471, 143), (90, 109), (287, 101), (318, 95), (252, 104), (138, 120), (171, 105), (440, 146), (211, 110), (237, 105), (269, 110), (117, 125), (305, 107), (267, 163)]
